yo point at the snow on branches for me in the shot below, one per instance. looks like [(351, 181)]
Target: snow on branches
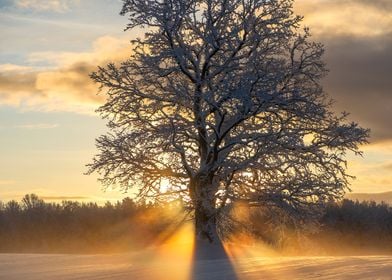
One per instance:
[(222, 99)]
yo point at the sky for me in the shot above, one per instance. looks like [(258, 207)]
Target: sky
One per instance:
[(47, 101)]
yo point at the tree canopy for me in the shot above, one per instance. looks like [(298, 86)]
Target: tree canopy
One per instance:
[(221, 102)]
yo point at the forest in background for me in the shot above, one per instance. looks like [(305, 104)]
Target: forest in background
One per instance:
[(35, 226)]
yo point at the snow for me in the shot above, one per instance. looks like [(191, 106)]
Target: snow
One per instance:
[(136, 266)]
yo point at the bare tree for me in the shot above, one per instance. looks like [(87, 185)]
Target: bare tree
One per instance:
[(221, 101)]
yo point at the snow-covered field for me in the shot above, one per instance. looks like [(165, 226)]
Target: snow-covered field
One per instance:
[(131, 266)]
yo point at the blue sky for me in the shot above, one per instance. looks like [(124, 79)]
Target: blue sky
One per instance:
[(47, 101), (70, 27), (44, 148)]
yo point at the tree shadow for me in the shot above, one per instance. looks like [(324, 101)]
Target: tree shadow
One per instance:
[(211, 262)]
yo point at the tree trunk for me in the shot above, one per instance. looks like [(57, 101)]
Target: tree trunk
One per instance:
[(204, 202), (205, 224)]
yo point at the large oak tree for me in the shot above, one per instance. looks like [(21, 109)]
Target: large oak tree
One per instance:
[(221, 101)]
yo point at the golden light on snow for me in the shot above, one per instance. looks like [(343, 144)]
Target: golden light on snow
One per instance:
[(243, 248), (176, 253)]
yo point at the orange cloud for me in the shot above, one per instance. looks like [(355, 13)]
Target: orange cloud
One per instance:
[(17, 87), (361, 17), (66, 86), (71, 84)]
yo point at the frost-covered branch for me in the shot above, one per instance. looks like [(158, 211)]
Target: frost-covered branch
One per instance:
[(223, 100)]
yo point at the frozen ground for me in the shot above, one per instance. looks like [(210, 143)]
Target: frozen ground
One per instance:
[(145, 266)]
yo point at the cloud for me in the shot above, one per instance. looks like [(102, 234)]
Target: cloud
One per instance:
[(66, 85), (18, 87), (381, 4), (12, 68), (46, 5), (355, 17), (357, 35), (358, 39), (104, 49), (70, 85), (37, 126), (360, 79)]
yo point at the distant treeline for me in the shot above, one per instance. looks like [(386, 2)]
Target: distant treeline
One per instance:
[(33, 225), (346, 228), (355, 228), (36, 226)]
